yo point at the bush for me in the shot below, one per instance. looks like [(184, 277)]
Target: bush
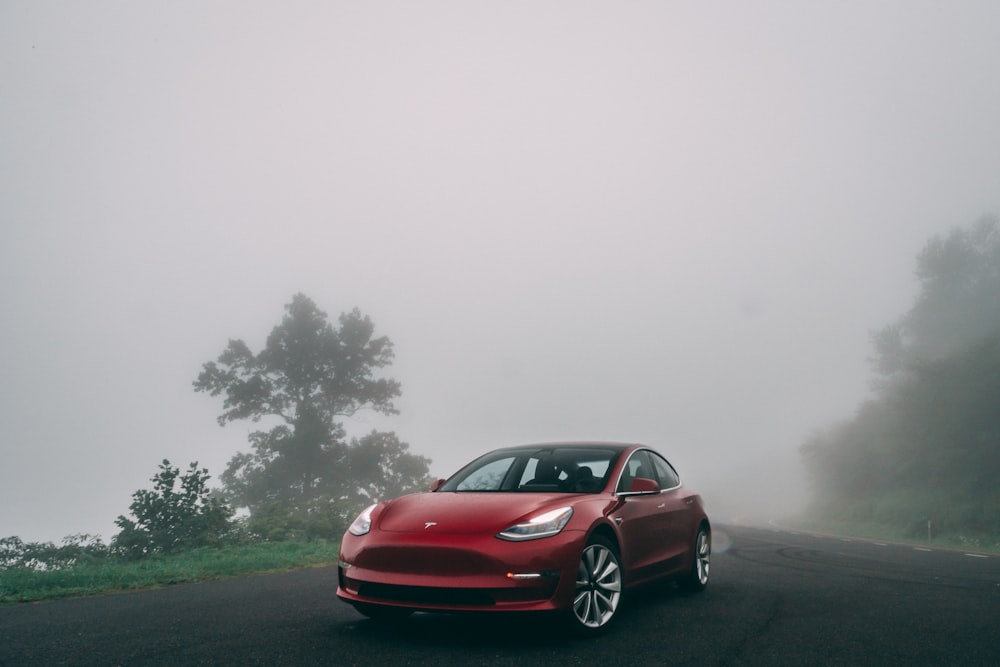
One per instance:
[(168, 520), (75, 550)]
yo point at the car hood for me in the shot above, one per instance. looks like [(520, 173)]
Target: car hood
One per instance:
[(464, 512)]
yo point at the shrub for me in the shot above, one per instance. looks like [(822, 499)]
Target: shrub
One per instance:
[(168, 519)]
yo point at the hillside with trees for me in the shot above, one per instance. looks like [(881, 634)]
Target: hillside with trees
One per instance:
[(922, 456), (298, 488)]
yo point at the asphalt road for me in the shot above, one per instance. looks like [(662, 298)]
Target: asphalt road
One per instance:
[(776, 598)]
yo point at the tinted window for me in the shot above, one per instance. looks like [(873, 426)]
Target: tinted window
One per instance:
[(665, 473), (638, 465)]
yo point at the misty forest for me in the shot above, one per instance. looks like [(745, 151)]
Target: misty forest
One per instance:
[(919, 459)]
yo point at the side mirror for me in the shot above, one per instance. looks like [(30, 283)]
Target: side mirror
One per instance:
[(437, 485), (644, 485)]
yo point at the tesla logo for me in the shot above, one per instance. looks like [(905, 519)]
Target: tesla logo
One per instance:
[(429, 524)]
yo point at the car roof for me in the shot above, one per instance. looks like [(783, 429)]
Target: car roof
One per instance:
[(596, 444)]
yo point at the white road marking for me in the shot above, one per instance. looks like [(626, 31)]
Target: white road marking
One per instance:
[(922, 549), (977, 556)]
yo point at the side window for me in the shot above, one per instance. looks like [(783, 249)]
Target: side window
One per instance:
[(665, 473), (638, 465)]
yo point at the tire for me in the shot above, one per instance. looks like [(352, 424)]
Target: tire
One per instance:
[(598, 592), (383, 613), (696, 580)]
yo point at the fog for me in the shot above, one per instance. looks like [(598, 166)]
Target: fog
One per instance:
[(666, 222)]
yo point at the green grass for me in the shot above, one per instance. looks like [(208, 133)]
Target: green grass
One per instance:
[(110, 575), (893, 533)]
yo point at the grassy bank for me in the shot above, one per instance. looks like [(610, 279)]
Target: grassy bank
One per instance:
[(891, 533), (111, 575)]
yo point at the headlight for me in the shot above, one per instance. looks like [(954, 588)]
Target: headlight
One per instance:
[(543, 525), (363, 523)]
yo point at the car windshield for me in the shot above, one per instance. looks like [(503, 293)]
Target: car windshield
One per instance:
[(539, 470)]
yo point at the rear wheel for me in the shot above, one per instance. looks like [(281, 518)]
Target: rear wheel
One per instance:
[(598, 591), (697, 578)]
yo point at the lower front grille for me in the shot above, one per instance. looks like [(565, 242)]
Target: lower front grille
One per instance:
[(465, 597)]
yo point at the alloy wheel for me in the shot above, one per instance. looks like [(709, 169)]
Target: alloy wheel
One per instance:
[(703, 552), (598, 585)]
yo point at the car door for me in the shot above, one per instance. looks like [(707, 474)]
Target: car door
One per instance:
[(640, 520), (675, 514)]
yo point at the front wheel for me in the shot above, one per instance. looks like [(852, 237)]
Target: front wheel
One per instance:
[(598, 591), (697, 577)]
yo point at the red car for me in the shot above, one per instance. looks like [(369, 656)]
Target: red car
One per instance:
[(566, 527)]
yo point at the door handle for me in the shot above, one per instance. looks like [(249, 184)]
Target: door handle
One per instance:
[(661, 506)]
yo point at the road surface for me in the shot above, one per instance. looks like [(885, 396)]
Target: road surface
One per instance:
[(776, 598)]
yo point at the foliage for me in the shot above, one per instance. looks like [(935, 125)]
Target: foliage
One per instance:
[(307, 365), (303, 477), (926, 449), (381, 467), (75, 550), (25, 584), (958, 304), (168, 519)]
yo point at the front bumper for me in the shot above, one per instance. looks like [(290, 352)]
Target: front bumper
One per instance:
[(454, 572)]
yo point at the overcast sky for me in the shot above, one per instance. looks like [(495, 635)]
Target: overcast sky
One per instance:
[(666, 222)]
